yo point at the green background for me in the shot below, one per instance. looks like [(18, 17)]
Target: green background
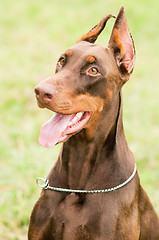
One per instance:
[(33, 34)]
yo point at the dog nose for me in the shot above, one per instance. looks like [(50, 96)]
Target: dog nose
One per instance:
[(45, 93)]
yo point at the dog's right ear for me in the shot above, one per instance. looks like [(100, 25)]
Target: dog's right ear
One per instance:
[(93, 34), (122, 46)]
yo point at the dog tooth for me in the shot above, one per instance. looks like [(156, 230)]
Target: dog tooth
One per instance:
[(79, 115), (70, 123), (74, 120)]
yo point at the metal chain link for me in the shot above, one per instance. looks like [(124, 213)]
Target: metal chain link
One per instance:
[(46, 186)]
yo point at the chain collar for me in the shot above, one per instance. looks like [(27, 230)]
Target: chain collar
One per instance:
[(46, 186)]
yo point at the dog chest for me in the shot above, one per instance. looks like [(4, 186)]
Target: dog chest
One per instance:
[(83, 218), (74, 218)]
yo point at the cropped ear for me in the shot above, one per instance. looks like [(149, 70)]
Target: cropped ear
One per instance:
[(122, 45), (93, 34)]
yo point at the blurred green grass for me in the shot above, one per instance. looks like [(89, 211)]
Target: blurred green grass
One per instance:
[(33, 35)]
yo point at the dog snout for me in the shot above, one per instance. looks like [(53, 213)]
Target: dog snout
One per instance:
[(45, 93)]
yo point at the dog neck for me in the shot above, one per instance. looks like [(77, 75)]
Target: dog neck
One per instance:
[(86, 163)]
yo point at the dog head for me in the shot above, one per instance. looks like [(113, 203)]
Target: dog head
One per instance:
[(87, 81)]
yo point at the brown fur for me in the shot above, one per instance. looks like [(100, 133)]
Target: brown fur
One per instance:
[(97, 157)]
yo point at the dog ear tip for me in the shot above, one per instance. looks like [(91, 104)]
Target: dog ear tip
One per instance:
[(111, 16), (93, 34), (122, 9)]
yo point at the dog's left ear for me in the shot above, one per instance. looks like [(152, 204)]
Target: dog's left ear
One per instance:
[(122, 46), (93, 34)]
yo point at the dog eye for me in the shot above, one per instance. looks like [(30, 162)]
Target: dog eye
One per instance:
[(93, 71), (61, 61)]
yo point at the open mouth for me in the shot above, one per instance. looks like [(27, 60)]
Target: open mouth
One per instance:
[(60, 126)]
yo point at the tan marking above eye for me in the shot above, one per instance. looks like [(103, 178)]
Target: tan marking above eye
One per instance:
[(90, 59), (68, 53)]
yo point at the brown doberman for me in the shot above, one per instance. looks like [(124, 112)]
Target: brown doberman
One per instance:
[(95, 161)]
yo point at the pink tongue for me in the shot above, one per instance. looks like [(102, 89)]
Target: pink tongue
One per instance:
[(51, 131)]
